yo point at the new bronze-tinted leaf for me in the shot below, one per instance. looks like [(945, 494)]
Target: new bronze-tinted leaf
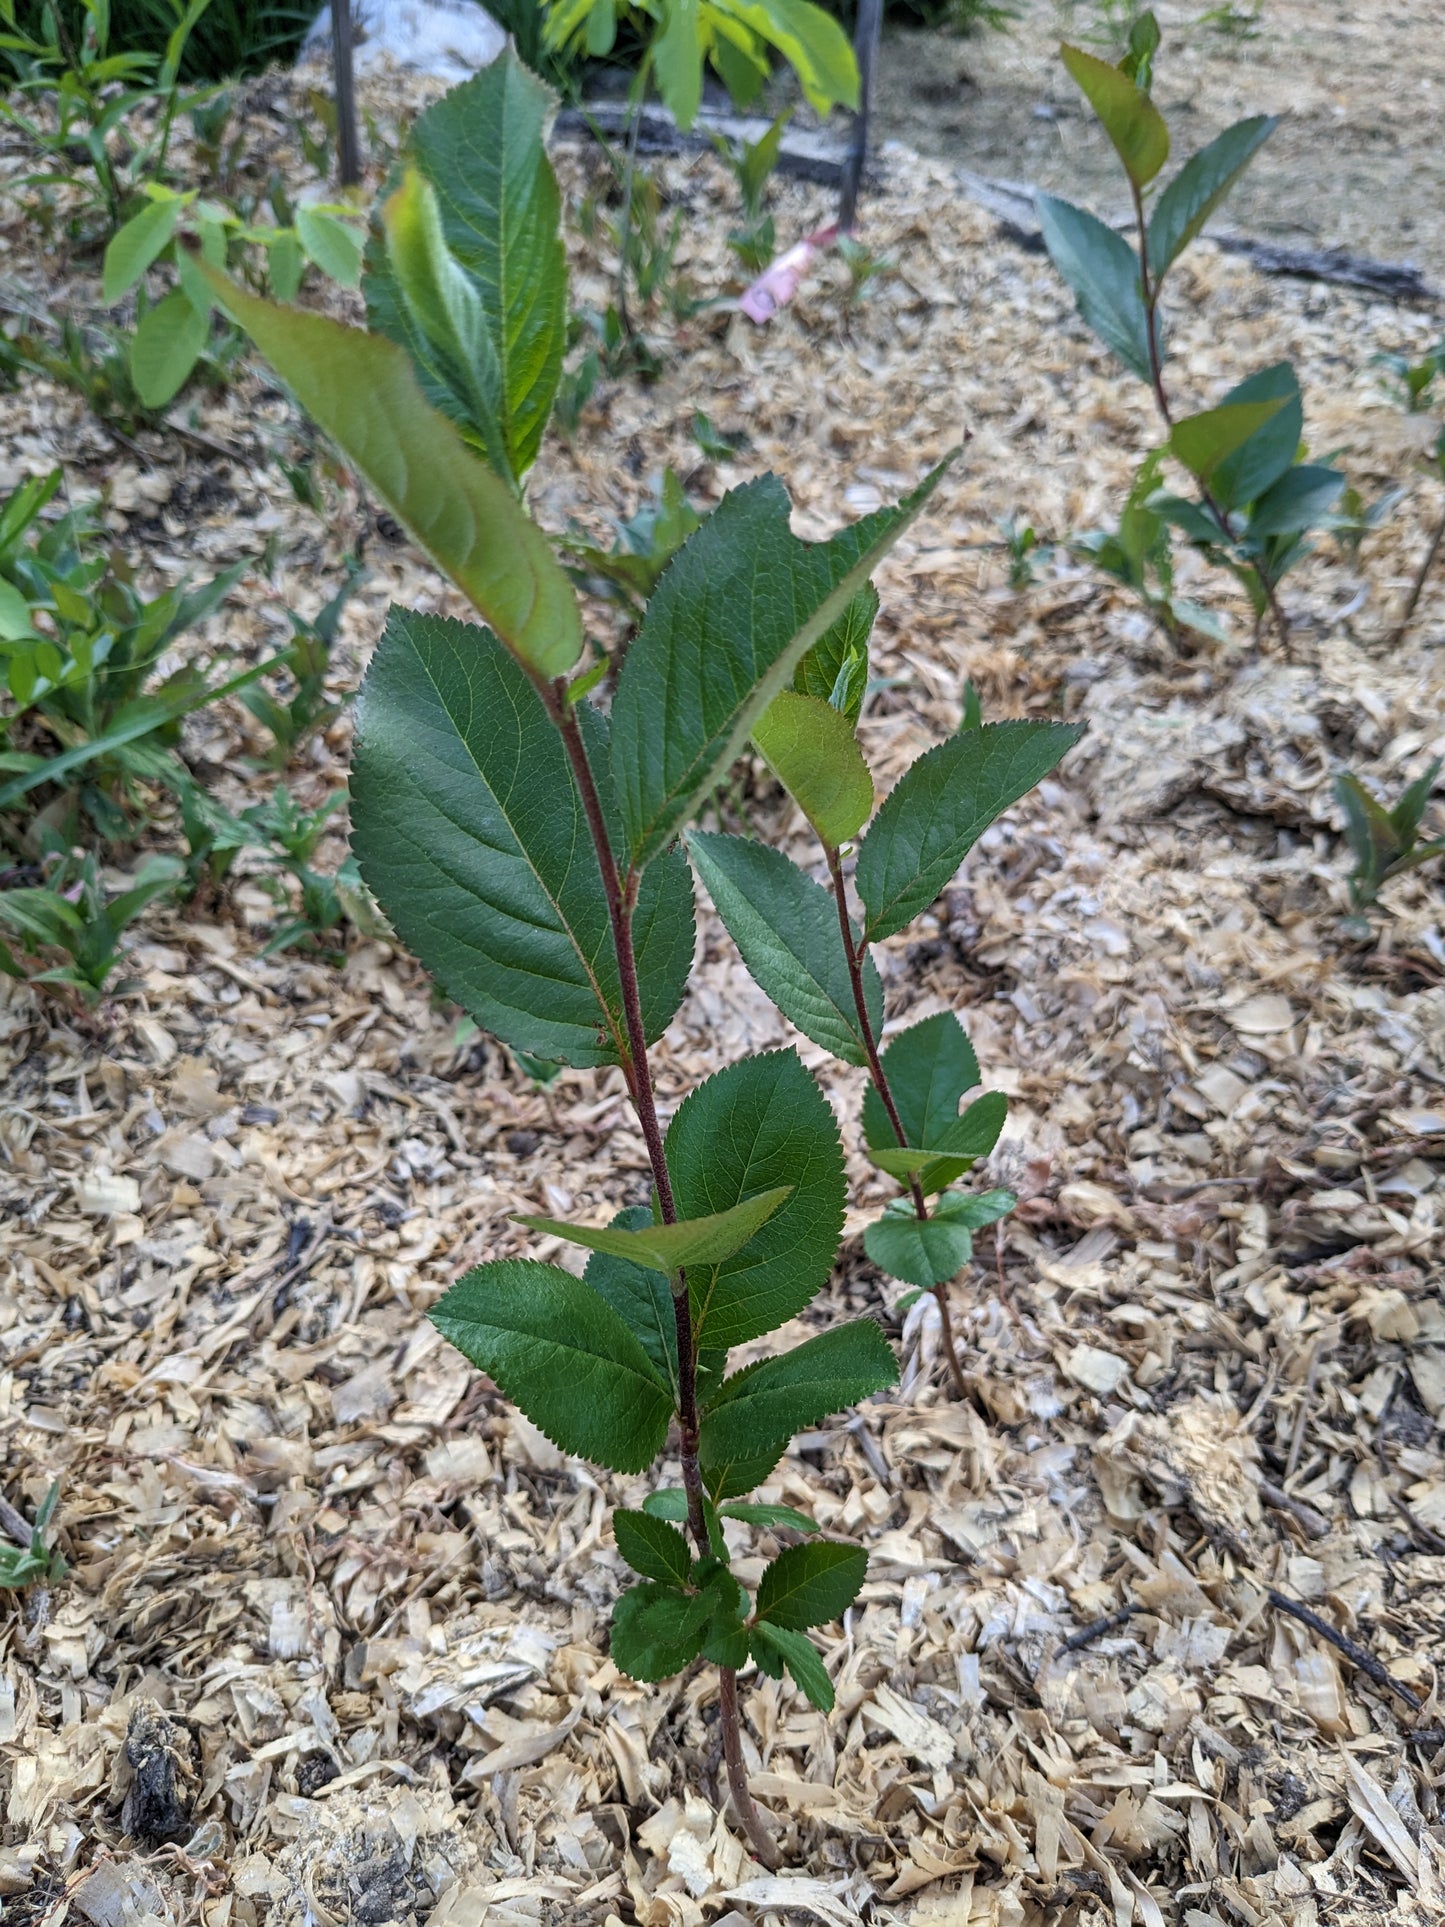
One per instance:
[(749, 1128), (1130, 119), (1103, 271), (468, 828), (689, 1244), (740, 604), (811, 749), (939, 809), (361, 390), (786, 927), (780, 1396), (564, 1356), (811, 1585), (1199, 186), (481, 148)]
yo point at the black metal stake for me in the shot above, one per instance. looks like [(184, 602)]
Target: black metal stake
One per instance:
[(865, 49), (348, 148)]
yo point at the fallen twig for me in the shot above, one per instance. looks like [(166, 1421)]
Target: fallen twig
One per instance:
[(1353, 1652), (1097, 1628)]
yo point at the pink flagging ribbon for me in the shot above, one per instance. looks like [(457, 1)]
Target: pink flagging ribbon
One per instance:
[(779, 281)]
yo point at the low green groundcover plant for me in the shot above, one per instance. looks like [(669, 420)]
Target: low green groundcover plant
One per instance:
[(533, 852)]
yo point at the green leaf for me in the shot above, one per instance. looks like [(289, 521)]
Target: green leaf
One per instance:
[(741, 1469), (362, 392), (769, 1515), (669, 1503), (133, 247), (1103, 271), (285, 264), (1198, 188), (958, 1148), (811, 1585), (939, 809), (564, 1356), (481, 148), (786, 927), (641, 1297), (686, 1245), (165, 348), (334, 247), (740, 605), (1202, 442), (1130, 119), (15, 623), (841, 653), (811, 749), (470, 833), (677, 55), (780, 1396), (1245, 475), (1297, 501), (930, 1251), (657, 1629), (742, 1132), (811, 41), (774, 1647), (652, 1547), (448, 336)]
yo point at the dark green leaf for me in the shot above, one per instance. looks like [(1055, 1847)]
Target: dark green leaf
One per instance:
[(1297, 501), (768, 1515), (929, 1067), (1244, 476), (786, 927), (958, 1148), (361, 390), (1130, 119), (1202, 442), (669, 1503), (651, 1546), (774, 1647), (930, 1251), (811, 749), (939, 809), (642, 1298), (741, 603), (481, 148), (811, 1585), (657, 1629), (779, 1396), (742, 1132), (689, 1244), (845, 643), (469, 831), (1199, 186), (564, 1356), (741, 1469), (1103, 271)]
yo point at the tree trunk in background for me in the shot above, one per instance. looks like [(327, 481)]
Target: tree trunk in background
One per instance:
[(348, 148), (865, 49)]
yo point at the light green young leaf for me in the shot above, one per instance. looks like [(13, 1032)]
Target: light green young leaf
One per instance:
[(940, 807), (740, 605), (811, 749), (360, 389), (1198, 188), (564, 1356), (842, 652), (956, 1149), (811, 1585), (133, 247), (334, 247), (1130, 119), (165, 347), (686, 1245), (669, 1503), (756, 1125), (677, 56), (481, 147), (774, 1647), (652, 1547), (786, 927), (811, 41), (779, 1396), (769, 1515), (469, 831), (641, 1297), (930, 1251), (659, 1629), (1203, 442), (1103, 271)]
